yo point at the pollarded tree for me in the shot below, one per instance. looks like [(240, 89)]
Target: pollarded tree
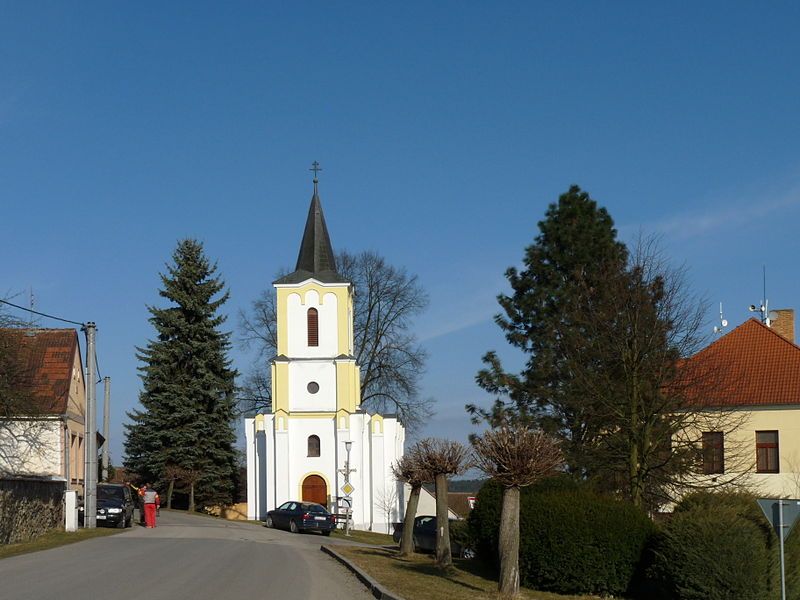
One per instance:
[(409, 470), (386, 301), (515, 456), (188, 384), (442, 458)]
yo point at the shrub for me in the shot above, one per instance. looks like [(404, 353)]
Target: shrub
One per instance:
[(572, 540), (718, 545)]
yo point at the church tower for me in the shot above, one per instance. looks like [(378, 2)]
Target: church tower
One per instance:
[(317, 438), (315, 370)]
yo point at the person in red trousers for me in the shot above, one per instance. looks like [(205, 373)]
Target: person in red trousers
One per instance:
[(151, 500)]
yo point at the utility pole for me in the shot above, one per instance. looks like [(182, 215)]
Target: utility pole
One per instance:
[(106, 408), (90, 471)]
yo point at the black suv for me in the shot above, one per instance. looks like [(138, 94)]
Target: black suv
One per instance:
[(114, 505)]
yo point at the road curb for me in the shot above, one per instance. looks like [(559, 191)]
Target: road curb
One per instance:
[(375, 588)]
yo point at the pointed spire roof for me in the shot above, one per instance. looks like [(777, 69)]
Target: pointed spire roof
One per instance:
[(316, 258)]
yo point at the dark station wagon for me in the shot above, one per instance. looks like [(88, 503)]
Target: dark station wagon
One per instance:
[(298, 517), (425, 537)]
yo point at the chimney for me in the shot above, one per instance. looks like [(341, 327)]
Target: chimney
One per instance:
[(784, 324)]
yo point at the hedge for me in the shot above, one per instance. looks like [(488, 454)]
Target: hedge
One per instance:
[(719, 546), (572, 541)]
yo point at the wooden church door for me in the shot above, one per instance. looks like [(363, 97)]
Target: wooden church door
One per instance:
[(315, 490)]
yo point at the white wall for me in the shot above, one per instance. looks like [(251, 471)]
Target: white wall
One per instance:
[(31, 447), (300, 374)]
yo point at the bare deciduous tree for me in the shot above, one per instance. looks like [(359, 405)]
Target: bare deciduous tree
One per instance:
[(409, 470), (23, 437), (516, 457), (642, 401), (386, 500), (442, 458), (386, 301)]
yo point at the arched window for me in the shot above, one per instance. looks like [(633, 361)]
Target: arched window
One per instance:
[(313, 445), (313, 327)]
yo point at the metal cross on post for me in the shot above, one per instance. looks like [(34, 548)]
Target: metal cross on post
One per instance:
[(316, 168), (347, 488)]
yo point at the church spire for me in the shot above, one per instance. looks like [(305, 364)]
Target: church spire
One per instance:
[(316, 258)]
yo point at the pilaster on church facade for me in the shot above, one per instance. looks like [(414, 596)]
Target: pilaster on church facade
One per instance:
[(297, 451)]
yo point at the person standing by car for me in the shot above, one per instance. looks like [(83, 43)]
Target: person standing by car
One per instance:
[(139, 500), (150, 499)]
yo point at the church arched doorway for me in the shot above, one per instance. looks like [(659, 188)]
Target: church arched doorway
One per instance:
[(315, 490)]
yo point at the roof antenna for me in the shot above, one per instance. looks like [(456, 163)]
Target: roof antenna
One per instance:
[(767, 316), (723, 323)]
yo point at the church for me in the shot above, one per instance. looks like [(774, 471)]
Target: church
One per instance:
[(317, 444)]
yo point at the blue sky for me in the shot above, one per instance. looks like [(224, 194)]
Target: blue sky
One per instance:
[(444, 130)]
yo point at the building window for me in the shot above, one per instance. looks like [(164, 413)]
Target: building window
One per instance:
[(713, 452), (313, 445), (767, 452), (313, 327)]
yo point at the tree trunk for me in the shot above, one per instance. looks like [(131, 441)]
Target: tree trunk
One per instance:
[(407, 540), (509, 543), (444, 558), (191, 497), (170, 489)]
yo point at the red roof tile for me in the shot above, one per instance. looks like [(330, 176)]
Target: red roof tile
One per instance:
[(758, 367), (45, 358)]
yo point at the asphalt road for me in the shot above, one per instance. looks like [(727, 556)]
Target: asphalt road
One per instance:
[(185, 557)]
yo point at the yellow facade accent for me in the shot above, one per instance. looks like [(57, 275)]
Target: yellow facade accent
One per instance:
[(344, 295), (281, 420), (303, 478), (342, 419), (347, 386), (280, 386), (376, 422)]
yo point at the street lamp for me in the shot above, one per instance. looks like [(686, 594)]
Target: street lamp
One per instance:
[(346, 472)]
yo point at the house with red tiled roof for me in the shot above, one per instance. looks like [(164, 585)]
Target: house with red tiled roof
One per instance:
[(759, 390), (43, 434)]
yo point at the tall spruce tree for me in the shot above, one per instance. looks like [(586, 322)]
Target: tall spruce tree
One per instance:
[(188, 385), (577, 241)]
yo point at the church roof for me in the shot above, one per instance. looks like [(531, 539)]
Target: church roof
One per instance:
[(316, 259)]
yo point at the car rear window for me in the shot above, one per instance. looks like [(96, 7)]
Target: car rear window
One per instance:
[(314, 508), (110, 493)]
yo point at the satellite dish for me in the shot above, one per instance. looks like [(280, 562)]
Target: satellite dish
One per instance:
[(773, 315), (724, 322)]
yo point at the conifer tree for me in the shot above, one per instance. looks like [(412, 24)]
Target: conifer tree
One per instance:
[(185, 424), (577, 241)]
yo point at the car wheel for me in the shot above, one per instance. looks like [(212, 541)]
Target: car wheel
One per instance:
[(326, 533), (414, 544), (293, 527), (468, 553), (269, 523), (129, 522)]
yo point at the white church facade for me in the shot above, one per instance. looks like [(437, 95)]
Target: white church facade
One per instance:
[(300, 450)]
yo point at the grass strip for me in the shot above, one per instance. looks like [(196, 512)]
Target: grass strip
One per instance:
[(53, 539), (364, 537), (417, 578)]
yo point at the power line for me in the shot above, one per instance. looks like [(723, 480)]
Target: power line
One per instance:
[(36, 312)]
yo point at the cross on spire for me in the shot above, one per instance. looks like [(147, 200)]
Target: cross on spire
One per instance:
[(316, 168)]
